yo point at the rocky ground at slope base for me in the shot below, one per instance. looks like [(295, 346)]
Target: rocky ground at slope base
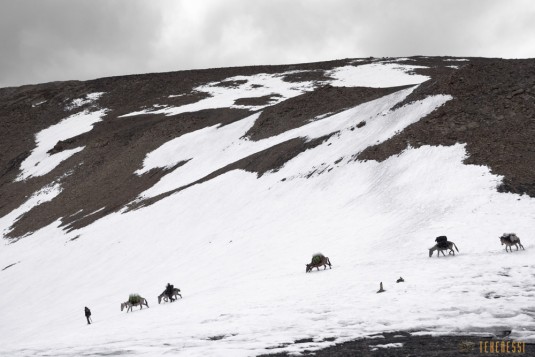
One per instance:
[(412, 346)]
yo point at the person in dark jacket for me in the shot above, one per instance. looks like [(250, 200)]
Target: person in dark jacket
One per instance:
[(169, 291), (88, 315)]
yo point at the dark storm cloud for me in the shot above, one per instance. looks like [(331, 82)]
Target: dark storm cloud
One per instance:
[(57, 40)]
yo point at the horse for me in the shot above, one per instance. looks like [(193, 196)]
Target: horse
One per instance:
[(323, 261), (176, 292), (449, 245), (510, 242), (129, 305)]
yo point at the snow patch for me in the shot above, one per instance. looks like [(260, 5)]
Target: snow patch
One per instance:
[(223, 94), (87, 99), (40, 162), (45, 194), (38, 103), (222, 146), (376, 75), (386, 345)]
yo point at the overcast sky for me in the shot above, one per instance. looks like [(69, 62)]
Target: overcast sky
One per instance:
[(49, 40)]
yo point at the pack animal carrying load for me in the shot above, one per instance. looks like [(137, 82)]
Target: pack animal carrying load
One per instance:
[(442, 241), (318, 260), (511, 236), (165, 296), (510, 239), (134, 299), (443, 244)]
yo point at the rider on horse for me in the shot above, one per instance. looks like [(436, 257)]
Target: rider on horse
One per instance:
[(169, 291)]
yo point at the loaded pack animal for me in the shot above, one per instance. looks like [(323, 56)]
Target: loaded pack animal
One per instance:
[(130, 303), (510, 239), (317, 261), (442, 245), (163, 295)]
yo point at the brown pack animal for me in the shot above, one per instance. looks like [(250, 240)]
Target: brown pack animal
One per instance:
[(510, 239), (317, 261)]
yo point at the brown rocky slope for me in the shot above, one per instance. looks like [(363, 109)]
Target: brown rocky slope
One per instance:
[(492, 112)]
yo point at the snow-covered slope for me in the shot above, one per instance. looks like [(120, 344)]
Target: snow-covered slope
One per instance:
[(236, 244)]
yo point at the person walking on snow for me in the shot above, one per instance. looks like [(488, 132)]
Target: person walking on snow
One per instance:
[(88, 315)]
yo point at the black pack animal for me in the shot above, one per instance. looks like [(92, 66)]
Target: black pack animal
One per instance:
[(442, 241), (165, 296), (449, 246)]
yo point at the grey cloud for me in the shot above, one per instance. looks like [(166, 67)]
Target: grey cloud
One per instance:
[(292, 31), (60, 39)]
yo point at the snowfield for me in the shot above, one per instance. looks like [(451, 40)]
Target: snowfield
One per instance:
[(223, 146), (237, 246)]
